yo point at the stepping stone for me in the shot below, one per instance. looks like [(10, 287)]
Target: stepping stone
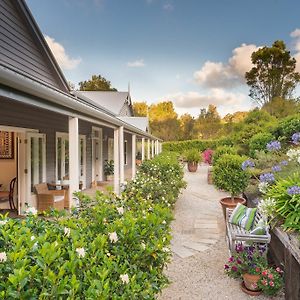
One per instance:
[(181, 251), (206, 241), (196, 246), (207, 235), (214, 225)]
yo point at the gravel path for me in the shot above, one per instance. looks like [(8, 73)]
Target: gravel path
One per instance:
[(198, 246)]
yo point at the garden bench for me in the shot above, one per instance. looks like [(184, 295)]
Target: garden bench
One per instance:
[(236, 234)]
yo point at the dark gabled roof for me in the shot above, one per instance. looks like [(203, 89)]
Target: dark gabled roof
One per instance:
[(112, 101), (23, 47)]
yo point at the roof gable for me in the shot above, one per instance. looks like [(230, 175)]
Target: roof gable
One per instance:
[(23, 47), (141, 123), (118, 103)]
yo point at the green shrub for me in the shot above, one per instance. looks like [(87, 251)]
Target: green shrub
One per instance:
[(192, 155), (228, 174), (112, 248), (220, 151), (287, 202), (259, 141), (287, 127)]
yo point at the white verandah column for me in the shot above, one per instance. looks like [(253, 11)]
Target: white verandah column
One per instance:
[(116, 162), (152, 148), (121, 153), (73, 158), (148, 152), (133, 155), (143, 149)]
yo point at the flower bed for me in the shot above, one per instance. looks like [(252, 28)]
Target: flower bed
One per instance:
[(113, 248)]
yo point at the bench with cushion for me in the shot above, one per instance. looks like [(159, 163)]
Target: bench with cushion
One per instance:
[(237, 234), (47, 199)]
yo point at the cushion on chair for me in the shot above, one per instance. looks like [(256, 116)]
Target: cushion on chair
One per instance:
[(58, 198), (243, 216), (260, 228)]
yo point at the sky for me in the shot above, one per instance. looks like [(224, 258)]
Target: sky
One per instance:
[(192, 52)]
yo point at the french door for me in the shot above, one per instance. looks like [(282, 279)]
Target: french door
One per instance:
[(97, 172), (36, 162)]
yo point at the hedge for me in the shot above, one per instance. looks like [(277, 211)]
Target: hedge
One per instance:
[(200, 145)]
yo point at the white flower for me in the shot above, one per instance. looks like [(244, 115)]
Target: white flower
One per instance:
[(113, 237), (35, 245), (120, 210), (263, 187), (31, 210), (124, 278), (32, 237), (108, 254), (3, 222), (165, 249), (67, 231), (143, 246), (164, 222), (267, 207), (80, 252), (3, 257)]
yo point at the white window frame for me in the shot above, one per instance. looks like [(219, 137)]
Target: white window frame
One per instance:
[(97, 156), (110, 156), (125, 152), (65, 136)]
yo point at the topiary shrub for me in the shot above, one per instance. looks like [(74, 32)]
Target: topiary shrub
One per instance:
[(228, 174), (192, 155), (220, 151), (259, 142)]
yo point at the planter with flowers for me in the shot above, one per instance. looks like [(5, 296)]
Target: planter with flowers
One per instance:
[(192, 157), (249, 263), (230, 177)]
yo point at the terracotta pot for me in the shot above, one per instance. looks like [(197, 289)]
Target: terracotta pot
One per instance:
[(138, 162), (228, 203), (192, 166), (250, 281), (248, 292)]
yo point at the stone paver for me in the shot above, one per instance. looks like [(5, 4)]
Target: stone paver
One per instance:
[(198, 245)]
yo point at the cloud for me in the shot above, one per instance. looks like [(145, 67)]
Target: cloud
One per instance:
[(216, 96), (139, 63), (61, 56), (226, 75), (296, 46), (168, 7)]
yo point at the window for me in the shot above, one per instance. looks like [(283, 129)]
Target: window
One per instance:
[(125, 152), (62, 157), (110, 150)]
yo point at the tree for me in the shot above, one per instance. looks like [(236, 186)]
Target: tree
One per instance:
[(281, 108), (187, 123), (140, 109), (96, 83), (273, 74)]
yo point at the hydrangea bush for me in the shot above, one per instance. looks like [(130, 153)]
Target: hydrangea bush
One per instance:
[(113, 247)]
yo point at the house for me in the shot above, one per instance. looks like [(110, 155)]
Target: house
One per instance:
[(47, 133)]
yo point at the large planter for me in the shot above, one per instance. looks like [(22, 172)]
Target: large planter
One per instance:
[(228, 203), (192, 166), (250, 281)]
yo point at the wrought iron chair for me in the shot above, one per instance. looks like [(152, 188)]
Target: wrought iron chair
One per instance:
[(8, 196)]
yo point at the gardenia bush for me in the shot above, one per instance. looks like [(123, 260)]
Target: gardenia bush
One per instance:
[(111, 248)]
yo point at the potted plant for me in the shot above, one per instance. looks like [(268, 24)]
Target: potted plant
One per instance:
[(109, 169), (229, 176), (192, 157), (250, 264), (138, 158)]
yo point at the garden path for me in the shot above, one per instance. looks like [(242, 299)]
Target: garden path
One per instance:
[(199, 247)]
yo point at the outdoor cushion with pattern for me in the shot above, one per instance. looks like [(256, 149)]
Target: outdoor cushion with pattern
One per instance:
[(243, 216), (260, 228)]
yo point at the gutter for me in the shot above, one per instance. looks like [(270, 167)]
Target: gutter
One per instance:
[(33, 87)]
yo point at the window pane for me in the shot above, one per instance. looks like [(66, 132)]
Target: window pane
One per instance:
[(66, 159), (59, 158)]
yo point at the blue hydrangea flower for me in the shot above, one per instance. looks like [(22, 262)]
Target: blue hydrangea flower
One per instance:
[(293, 190), (276, 168), (284, 163), (296, 138), (267, 177), (247, 164), (274, 146)]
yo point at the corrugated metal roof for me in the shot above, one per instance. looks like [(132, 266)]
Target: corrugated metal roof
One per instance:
[(138, 122), (112, 101)]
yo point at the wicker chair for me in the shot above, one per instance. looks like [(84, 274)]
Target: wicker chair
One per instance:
[(49, 198)]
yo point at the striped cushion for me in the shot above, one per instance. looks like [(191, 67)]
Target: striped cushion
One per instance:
[(260, 228), (243, 216)]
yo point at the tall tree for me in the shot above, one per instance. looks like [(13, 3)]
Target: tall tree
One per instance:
[(140, 109), (187, 123), (96, 83), (273, 74), (281, 108)]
